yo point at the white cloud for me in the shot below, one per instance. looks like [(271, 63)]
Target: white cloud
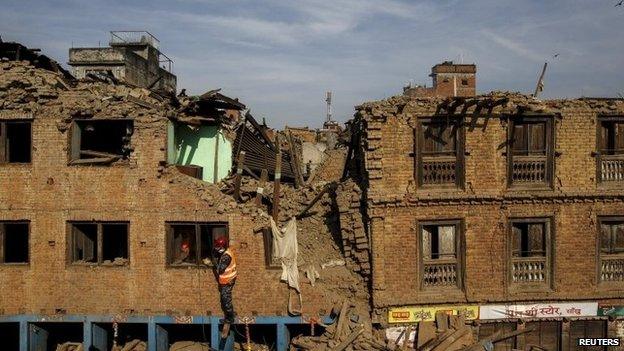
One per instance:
[(514, 46)]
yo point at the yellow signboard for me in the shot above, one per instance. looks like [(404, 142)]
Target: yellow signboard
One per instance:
[(419, 314)]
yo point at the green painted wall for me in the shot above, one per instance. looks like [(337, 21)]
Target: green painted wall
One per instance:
[(199, 146)]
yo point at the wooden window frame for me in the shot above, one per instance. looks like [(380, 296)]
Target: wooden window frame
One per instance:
[(4, 145), (2, 242), (549, 240), (71, 259), (600, 255), (549, 131), (75, 138), (169, 243), (460, 244), (460, 154), (600, 155)]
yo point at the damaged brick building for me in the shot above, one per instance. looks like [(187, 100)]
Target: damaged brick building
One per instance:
[(103, 180), (501, 207)]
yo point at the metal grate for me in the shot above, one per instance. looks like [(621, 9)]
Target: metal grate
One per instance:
[(134, 37)]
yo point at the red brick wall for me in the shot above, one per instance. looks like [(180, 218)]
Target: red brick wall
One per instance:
[(48, 193), (486, 204)]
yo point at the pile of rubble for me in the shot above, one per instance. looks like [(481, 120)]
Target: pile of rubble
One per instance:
[(70, 346), (133, 345), (447, 333), (350, 329)]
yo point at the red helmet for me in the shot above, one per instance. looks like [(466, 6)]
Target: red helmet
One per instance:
[(220, 242)]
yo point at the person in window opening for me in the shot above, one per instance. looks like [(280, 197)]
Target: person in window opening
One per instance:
[(184, 254), (225, 270)]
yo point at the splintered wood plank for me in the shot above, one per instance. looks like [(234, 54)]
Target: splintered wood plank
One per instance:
[(426, 332)]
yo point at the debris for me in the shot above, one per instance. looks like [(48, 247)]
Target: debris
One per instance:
[(189, 346), (333, 263), (69, 346)]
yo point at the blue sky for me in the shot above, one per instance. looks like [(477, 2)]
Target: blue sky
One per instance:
[(280, 56)]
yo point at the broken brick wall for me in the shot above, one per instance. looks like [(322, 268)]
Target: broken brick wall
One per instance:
[(48, 192), (485, 203)]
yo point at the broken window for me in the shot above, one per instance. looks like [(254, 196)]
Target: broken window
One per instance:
[(612, 249), (14, 242), (100, 141), (611, 149), (190, 243), (530, 152), (587, 329), (99, 242), (440, 254), (440, 153), (15, 141), (530, 250), (464, 81)]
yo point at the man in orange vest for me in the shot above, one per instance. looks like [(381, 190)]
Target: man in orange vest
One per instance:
[(226, 273)]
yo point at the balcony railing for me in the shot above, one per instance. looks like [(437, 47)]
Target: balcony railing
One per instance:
[(439, 170), (529, 169), (611, 168), (528, 269), (441, 272), (612, 268), (134, 37)]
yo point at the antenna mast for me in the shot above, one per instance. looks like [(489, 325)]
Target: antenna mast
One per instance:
[(328, 99)]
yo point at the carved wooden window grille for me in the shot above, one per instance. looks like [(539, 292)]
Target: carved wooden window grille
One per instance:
[(610, 160), (530, 251), (530, 152), (441, 254), (611, 249), (440, 153)]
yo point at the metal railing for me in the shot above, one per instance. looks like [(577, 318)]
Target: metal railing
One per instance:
[(134, 37), (528, 269), (439, 170), (529, 169), (165, 62), (442, 272), (611, 168), (612, 268)]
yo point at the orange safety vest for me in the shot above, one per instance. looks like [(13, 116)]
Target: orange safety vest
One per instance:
[(230, 272)]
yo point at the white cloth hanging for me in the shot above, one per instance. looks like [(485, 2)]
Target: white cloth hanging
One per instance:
[(286, 249)]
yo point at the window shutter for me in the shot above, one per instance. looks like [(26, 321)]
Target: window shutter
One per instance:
[(619, 137), (446, 240), (2, 231), (516, 237), (536, 240), (538, 138), (519, 139), (618, 237), (605, 238), (3, 142), (426, 243)]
